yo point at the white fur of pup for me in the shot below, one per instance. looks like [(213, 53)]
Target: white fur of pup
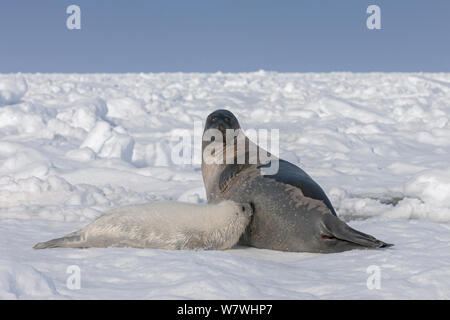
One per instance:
[(162, 225)]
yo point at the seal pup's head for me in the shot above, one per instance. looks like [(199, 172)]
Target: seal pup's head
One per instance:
[(232, 219), (242, 210)]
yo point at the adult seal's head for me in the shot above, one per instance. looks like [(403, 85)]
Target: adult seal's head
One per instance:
[(222, 120), (221, 128), (291, 212)]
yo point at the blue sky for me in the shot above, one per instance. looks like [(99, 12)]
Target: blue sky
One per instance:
[(224, 35)]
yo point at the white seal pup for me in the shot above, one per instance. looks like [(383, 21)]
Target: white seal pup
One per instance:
[(162, 225)]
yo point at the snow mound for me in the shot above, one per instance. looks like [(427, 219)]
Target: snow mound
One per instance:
[(84, 113), (432, 186), (125, 108), (109, 142), (12, 89)]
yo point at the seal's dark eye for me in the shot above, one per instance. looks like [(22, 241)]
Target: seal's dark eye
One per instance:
[(213, 119), (243, 208), (227, 120)]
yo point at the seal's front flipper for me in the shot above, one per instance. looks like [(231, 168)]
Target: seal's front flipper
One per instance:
[(69, 241), (335, 229)]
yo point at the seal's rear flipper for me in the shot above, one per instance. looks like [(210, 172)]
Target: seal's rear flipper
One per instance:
[(69, 241), (333, 227)]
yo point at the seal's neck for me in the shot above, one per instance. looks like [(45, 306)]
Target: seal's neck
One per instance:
[(217, 155), (211, 170)]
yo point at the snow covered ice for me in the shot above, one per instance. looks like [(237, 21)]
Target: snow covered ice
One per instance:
[(73, 146)]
